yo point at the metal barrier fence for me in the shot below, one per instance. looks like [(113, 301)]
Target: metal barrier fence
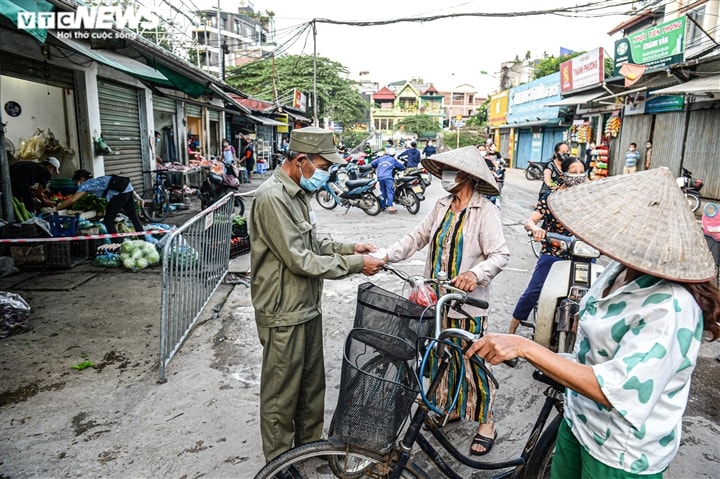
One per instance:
[(195, 262)]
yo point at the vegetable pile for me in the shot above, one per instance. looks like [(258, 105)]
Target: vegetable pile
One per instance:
[(88, 202), (138, 254)]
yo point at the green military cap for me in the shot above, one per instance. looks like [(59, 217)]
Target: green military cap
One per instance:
[(317, 141)]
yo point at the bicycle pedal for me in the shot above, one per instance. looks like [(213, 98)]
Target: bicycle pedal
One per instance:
[(528, 324)]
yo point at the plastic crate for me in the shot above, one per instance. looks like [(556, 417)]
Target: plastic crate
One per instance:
[(239, 245), (93, 246), (34, 255), (66, 254), (64, 225)]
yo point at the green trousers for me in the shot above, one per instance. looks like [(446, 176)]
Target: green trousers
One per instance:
[(572, 461), (292, 386)]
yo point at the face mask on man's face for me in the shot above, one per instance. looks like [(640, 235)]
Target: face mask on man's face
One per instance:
[(315, 182)]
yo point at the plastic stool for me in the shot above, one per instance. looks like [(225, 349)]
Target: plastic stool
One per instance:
[(260, 168)]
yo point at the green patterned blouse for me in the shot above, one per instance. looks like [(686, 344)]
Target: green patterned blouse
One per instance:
[(642, 341)]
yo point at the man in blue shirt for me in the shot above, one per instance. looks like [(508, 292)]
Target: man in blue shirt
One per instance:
[(385, 166), (429, 150), (117, 200), (632, 156), (412, 154)]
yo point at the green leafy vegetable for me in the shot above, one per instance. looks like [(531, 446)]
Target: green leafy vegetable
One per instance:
[(88, 202), (83, 365)]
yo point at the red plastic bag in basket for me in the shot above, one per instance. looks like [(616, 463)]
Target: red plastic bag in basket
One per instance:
[(423, 294)]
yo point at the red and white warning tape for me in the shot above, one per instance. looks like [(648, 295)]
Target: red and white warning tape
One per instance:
[(84, 237)]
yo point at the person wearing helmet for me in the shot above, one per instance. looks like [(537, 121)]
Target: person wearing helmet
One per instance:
[(385, 167), (29, 179), (368, 150), (412, 154)]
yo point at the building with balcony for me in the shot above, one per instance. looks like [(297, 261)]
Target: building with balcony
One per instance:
[(231, 36), (391, 106)]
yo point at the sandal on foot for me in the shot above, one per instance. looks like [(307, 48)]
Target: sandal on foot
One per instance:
[(484, 441)]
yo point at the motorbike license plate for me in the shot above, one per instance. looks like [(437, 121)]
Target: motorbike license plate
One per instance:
[(417, 189)]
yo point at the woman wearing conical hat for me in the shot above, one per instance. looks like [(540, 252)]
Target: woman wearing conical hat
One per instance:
[(639, 332), (466, 241)]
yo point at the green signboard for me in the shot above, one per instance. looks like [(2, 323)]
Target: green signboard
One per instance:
[(658, 104), (660, 45)]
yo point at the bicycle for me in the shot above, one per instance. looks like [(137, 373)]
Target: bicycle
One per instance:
[(391, 368), (536, 246), (155, 204)]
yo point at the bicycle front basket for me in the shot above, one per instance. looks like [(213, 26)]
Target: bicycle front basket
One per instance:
[(377, 390), (380, 310)]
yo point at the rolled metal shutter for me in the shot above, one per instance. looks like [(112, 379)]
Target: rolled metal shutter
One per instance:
[(120, 123), (635, 129), (701, 147), (668, 142), (193, 110), (161, 103), (35, 71), (213, 115)]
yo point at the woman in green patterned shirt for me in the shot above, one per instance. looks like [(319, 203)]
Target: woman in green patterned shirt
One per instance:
[(639, 332)]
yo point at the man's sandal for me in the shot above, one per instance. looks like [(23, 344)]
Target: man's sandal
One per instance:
[(484, 441)]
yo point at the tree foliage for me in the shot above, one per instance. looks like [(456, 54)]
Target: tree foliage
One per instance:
[(419, 124), (550, 64), (337, 97), (480, 118), (466, 137)]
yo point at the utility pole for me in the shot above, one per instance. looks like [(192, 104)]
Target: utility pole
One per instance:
[(315, 101), (221, 55)]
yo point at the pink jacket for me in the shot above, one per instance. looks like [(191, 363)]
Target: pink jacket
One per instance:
[(486, 256)]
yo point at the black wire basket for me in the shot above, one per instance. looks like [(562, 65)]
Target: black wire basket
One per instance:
[(378, 386), (380, 310)]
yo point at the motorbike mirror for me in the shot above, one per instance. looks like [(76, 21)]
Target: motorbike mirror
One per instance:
[(584, 250)]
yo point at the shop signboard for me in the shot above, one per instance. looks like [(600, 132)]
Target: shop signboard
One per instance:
[(299, 100), (526, 103), (582, 71), (655, 46), (664, 103), (497, 109)]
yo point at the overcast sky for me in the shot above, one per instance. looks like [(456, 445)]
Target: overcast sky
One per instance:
[(446, 52)]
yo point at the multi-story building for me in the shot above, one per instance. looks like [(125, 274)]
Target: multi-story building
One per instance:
[(462, 102), (391, 106), (231, 34)]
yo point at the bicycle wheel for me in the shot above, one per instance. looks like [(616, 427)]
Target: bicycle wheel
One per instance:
[(311, 461), (536, 247), (693, 201), (157, 204), (539, 463)]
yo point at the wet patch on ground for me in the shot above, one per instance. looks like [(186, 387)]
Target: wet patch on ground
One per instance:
[(23, 393)]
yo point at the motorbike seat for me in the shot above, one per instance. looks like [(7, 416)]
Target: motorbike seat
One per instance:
[(350, 184), (364, 168), (214, 178), (405, 179)]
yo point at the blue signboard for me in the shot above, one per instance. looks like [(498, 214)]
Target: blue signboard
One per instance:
[(527, 102)]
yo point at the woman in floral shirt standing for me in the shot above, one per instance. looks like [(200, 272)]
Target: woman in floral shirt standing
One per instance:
[(640, 329)]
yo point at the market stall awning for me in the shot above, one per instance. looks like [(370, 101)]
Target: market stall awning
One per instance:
[(11, 8), (709, 86), (118, 61), (579, 99), (265, 121)]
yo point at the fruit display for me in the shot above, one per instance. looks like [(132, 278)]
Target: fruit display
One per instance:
[(602, 158)]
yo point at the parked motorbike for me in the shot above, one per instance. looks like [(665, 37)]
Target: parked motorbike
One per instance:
[(534, 170), (421, 174), (691, 188), (362, 193), (408, 192), (566, 284), (216, 186)]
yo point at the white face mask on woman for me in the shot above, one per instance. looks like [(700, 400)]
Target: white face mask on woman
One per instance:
[(449, 180)]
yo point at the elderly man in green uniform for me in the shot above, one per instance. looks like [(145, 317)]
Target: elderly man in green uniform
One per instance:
[(288, 265)]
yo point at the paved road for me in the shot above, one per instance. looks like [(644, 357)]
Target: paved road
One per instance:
[(115, 421)]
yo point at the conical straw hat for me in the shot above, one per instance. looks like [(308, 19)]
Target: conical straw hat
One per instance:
[(641, 220), (469, 160)]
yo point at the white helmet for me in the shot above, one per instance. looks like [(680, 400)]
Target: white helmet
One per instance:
[(390, 151)]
